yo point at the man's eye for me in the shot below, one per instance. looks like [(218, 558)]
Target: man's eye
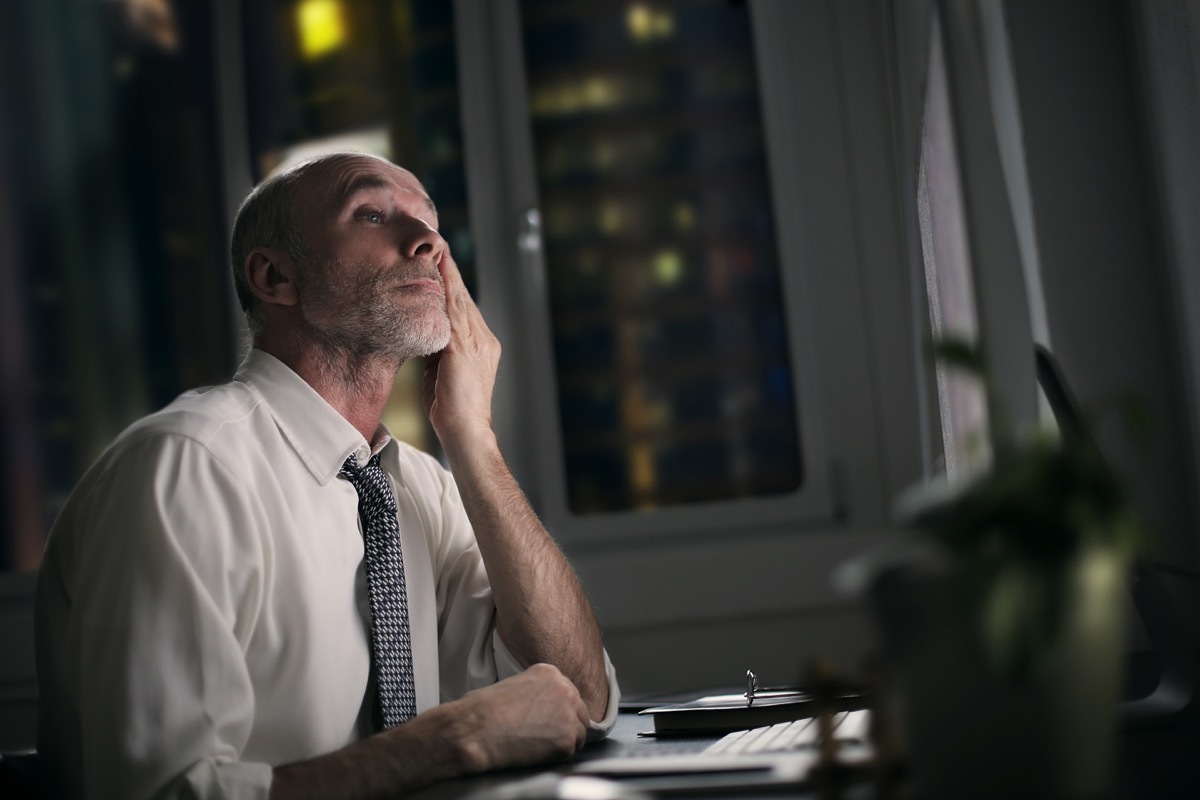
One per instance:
[(373, 216)]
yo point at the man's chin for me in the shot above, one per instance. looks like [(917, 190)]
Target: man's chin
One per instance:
[(422, 341), (439, 345)]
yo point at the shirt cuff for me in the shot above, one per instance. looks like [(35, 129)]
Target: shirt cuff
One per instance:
[(600, 730)]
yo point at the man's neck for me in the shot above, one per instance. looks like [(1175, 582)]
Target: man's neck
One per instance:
[(357, 387)]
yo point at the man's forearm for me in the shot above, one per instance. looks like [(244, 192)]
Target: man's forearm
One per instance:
[(532, 718), (542, 613), (427, 749)]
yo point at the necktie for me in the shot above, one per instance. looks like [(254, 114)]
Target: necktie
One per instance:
[(390, 641)]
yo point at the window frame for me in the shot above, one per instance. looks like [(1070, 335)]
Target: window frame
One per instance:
[(819, 203)]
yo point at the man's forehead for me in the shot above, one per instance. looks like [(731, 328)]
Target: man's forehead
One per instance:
[(341, 179)]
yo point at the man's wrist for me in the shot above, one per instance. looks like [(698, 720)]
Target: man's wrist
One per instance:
[(453, 726), (469, 442)]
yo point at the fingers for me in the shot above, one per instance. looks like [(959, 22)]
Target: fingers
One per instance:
[(451, 275), (582, 732), (466, 320), (568, 699), (458, 299), (535, 717)]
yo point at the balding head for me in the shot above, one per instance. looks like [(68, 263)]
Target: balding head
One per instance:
[(268, 218)]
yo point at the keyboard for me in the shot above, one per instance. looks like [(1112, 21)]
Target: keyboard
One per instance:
[(779, 754), (850, 727)]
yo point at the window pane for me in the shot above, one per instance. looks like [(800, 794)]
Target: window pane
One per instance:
[(670, 341)]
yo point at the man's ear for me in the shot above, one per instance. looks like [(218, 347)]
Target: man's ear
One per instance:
[(271, 275)]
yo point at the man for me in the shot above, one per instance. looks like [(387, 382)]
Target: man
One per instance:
[(206, 626)]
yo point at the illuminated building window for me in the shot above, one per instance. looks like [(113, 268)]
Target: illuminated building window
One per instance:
[(321, 26)]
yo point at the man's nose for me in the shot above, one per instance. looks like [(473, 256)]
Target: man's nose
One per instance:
[(422, 241)]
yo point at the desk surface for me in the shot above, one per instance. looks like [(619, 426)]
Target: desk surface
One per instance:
[(1161, 759), (623, 741), (1158, 760)]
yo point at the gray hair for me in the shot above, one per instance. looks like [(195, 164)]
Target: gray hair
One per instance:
[(267, 218)]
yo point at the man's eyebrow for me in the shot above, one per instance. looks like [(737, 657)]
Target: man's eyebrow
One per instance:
[(374, 180)]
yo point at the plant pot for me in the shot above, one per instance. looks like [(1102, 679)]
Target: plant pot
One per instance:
[(973, 729)]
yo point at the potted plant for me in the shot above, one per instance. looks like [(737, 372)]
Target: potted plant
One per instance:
[(1003, 626)]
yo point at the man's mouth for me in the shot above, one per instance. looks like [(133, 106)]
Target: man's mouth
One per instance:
[(428, 284), (420, 279)]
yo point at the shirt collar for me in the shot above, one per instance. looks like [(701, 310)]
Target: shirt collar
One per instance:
[(322, 437)]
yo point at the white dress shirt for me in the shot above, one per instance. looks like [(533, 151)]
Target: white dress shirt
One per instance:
[(201, 608)]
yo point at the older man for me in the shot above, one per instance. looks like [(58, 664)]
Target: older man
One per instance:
[(257, 591)]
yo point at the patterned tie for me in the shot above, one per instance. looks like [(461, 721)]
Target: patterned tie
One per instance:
[(391, 644)]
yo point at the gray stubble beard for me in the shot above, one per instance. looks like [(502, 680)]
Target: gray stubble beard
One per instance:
[(376, 328)]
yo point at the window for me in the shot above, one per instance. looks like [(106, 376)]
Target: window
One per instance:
[(671, 359)]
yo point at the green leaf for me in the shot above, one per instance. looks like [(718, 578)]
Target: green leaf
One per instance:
[(959, 353)]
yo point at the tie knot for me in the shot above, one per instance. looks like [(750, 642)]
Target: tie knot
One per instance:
[(351, 469), (371, 483)]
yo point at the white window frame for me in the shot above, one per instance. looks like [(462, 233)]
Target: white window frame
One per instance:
[(819, 201)]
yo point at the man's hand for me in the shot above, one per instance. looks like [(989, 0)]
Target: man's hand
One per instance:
[(531, 718), (458, 382)]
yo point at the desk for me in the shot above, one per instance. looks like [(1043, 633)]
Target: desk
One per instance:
[(1160, 760), (623, 741)]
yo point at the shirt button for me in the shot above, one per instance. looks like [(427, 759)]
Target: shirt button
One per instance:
[(363, 455)]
